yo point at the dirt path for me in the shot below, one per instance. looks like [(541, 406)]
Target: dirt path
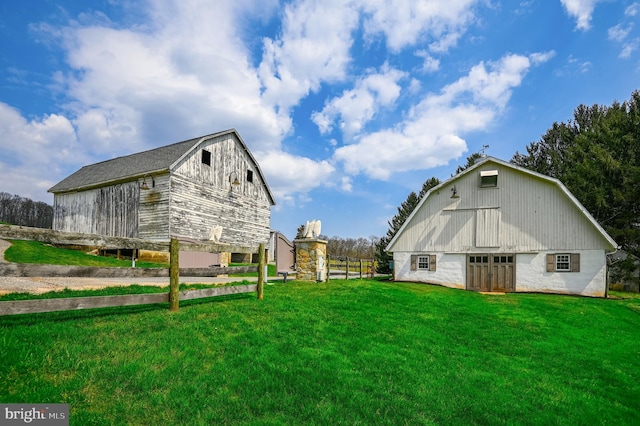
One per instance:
[(4, 245), (38, 285)]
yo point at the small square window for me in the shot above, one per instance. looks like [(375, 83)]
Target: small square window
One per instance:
[(206, 157), (563, 262), (249, 176), (423, 262), (488, 178)]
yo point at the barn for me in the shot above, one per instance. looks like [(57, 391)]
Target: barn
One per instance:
[(198, 189), (497, 227)]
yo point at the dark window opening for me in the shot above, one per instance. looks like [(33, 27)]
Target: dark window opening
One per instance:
[(488, 178), (206, 157), (249, 176)]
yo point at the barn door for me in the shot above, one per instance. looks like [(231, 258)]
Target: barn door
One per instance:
[(478, 272), (503, 272), (491, 272)]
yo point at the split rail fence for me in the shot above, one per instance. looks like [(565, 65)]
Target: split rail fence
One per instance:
[(349, 267), (174, 296)]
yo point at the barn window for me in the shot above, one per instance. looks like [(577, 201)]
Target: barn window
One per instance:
[(563, 262), (206, 157), (249, 176), (423, 262), (488, 178)]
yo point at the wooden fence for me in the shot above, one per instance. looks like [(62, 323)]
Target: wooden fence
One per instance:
[(173, 272), (348, 267)]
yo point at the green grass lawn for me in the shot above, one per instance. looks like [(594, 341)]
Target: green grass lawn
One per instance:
[(35, 252), (347, 352), (40, 253)]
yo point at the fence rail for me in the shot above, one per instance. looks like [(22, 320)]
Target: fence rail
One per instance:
[(173, 272), (349, 267), (77, 303)]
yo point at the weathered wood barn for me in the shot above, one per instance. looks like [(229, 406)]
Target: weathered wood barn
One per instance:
[(502, 228), (210, 187)]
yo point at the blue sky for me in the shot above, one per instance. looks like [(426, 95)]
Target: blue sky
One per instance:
[(347, 105)]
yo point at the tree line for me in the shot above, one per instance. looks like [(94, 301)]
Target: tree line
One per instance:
[(361, 248), (596, 155), (17, 210)]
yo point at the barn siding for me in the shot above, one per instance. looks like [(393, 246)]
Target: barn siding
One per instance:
[(153, 216), (110, 211), (202, 196), (196, 208), (534, 214), (187, 200)]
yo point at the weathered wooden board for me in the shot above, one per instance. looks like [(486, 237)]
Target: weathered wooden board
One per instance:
[(76, 303), (29, 270), (218, 291), (214, 271), (13, 232)]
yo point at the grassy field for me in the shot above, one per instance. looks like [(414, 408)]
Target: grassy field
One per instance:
[(39, 253), (45, 254), (347, 352)]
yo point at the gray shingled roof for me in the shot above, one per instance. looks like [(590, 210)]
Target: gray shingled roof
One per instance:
[(137, 165), (122, 168)]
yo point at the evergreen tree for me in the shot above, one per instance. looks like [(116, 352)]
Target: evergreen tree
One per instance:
[(597, 156), (396, 222)]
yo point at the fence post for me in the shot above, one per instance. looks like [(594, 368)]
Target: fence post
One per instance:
[(174, 275), (360, 268), (347, 269), (328, 267), (261, 264)]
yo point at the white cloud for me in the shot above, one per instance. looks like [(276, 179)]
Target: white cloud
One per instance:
[(171, 79), (28, 144), (288, 174), (346, 184), (431, 134), (313, 48), (632, 10), (581, 10), (618, 33), (629, 47), (359, 105), (430, 64), (406, 22)]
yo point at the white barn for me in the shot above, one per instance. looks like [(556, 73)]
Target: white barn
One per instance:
[(502, 228)]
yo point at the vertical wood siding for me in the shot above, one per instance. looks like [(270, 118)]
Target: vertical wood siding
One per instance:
[(110, 211), (532, 214)]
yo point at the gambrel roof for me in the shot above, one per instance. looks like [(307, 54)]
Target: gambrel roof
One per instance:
[(129, 167), (484, 161)]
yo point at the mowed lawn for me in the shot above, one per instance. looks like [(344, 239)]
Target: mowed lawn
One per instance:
[(346, 352)]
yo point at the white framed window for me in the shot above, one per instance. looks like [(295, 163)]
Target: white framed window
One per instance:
[(563, 262), (423, 262)]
